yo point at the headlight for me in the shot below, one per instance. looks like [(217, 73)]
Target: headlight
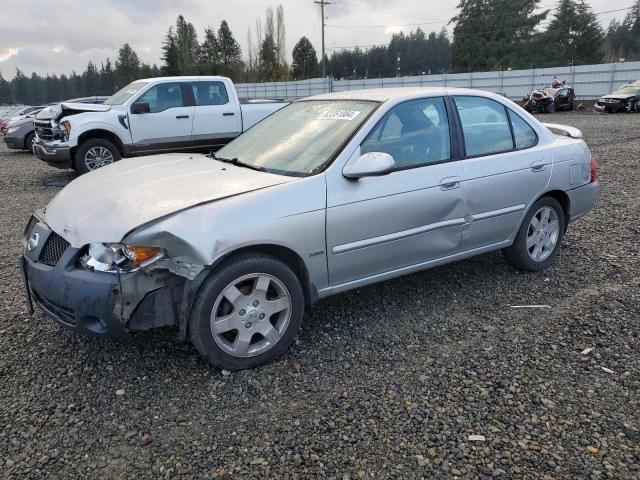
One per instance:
[(116, 257), (65, 126), (13, 130)]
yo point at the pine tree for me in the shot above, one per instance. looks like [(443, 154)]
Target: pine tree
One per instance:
[(5, 91), (187, 47), (108, 83), (20, 87), (210, 53), (230, 52), (305, 60), (574, 35), (127, 65)]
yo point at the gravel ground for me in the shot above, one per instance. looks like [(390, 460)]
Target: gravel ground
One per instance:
[(388, 381)]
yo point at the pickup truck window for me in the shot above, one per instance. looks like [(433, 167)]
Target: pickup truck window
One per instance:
[(163, 97), (300, 139), (210, 93), (124, 93)]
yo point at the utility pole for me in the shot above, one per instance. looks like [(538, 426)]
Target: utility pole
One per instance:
[(322, 3)]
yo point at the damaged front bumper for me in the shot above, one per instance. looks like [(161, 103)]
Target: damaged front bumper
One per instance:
[(55, 154), (94, 303)]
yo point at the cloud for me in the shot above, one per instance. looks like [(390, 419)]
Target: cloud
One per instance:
[(59, 36)]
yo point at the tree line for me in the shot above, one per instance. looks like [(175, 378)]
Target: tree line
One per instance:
[(487, 35)]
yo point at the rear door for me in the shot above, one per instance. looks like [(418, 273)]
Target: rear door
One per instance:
[(504, 167), (168, 124), (217, 117)]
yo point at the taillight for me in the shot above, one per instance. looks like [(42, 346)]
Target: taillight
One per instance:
[(593, 170)]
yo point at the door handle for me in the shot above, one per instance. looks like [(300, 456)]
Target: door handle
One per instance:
[(450, 183), (538, 166), (228, 114), (182, 116)]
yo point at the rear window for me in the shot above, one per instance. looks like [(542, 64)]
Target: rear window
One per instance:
[(210, 93)]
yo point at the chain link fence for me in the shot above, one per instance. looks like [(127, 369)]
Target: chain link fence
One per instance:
[(590, 82)]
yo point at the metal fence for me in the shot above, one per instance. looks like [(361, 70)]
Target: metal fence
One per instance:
[(590, 82)]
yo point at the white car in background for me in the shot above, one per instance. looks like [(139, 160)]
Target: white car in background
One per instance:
[(147, 116)]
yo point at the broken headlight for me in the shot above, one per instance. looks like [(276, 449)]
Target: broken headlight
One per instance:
[(117, 257)]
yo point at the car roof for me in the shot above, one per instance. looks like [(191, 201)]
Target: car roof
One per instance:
[(191, 78), (386, 94)]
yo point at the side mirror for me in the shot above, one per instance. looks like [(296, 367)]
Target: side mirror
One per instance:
[(140, 107), (372, 164)]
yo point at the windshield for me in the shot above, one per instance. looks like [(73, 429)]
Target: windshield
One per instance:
[(124, 94), (301, 138), (628, 90)]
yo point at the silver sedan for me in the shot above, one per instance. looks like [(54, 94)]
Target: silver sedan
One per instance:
[(328, 194)]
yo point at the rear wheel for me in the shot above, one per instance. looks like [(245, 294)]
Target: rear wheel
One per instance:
[(572, 105), (550, 108), (247, 312), (539, 238), (95, 153)]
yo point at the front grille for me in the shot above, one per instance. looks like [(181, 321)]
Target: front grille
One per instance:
[(53, 249), (29, 228), (43, 130)]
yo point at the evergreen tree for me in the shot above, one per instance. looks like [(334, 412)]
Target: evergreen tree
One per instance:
[(230, 52), (490, 34), (574, 35), (5, 91), (108, 82), (210, 53), (305, 60), (269, 68), (127, 65), (90, 81), (20, 87), (170, 54), (187, 48)]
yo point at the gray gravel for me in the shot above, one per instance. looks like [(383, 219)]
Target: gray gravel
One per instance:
[(384, 382)]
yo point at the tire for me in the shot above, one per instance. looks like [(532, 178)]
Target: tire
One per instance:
[(28, 142), (550, 108), (231, 293), (543, 245), (95, 153)]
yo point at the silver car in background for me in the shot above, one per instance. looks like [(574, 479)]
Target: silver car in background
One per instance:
[(330, 193)]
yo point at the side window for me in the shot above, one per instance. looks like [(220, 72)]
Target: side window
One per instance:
[(210, 93), (485, 126), (414, 133), (162, 97), (523, 134)]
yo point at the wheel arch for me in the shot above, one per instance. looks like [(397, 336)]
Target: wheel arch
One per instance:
[(285, 255), (564, 201), (103, 134)]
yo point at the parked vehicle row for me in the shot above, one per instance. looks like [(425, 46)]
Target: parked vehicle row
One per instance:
[(146, 117), (326, 194), (19, 129)]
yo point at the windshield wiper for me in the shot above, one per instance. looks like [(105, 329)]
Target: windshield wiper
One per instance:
[(237, 163)]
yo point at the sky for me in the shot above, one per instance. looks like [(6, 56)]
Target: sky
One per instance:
[(58, 36)]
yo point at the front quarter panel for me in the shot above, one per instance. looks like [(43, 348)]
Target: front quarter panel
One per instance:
[(290, 215), (84, 122)]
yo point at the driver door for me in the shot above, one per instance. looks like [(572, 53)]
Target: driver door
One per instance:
[(168, 124), (413, 215)]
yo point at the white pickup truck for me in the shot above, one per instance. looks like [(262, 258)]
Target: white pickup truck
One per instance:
[(147, 116)]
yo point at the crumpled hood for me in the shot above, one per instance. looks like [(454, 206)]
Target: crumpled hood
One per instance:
[(618, 96), (59, 110), (104, 205)]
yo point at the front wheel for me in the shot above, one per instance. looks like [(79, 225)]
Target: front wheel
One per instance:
[(28, 142), (539, 238), (247, 312), (95, 153), (551, 107)]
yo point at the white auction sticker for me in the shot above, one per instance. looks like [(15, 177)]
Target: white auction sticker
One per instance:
[(339, 115)]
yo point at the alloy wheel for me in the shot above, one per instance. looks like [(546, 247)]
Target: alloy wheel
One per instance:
[(543, 234), (97, 157), (251, 315)]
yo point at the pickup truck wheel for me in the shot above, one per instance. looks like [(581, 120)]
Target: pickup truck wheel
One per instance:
[(247, 312), (95, 153), (539, 238)]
